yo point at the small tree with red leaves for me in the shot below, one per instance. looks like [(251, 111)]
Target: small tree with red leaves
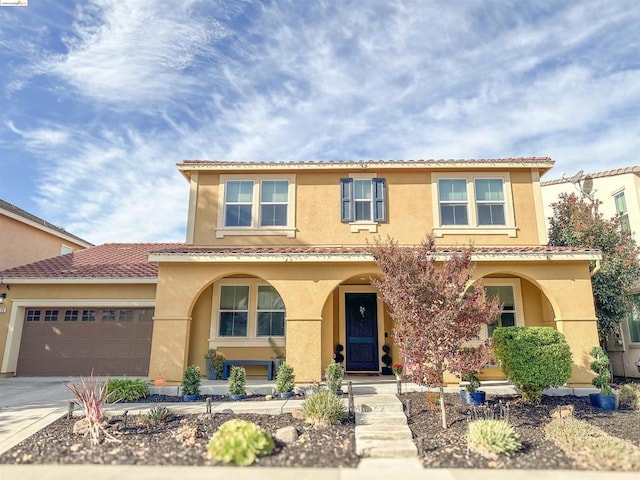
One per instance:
[(435, 312)]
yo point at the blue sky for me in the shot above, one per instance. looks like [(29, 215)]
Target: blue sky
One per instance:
[(100, 99)]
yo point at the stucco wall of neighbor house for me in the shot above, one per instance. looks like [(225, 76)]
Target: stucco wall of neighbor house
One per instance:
[(554, 293), (22, 295), (22, 243), (410, 211)]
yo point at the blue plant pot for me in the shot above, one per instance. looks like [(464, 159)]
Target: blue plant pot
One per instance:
[(605, 402), (190, 398), (286, 394), (237, 397), (472, 398)]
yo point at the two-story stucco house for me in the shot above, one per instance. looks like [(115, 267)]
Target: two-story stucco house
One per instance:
[(618, 192), (278, 250), (25, 238)]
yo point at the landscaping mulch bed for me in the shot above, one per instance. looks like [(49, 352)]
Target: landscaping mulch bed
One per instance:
[(332, 446), (440, 448)]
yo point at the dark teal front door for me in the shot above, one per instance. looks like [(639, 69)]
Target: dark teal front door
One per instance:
[(362, 332)]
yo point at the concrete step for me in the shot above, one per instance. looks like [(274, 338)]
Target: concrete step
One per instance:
[(377, 403), (380, 418), (383, 433), (386, 449)]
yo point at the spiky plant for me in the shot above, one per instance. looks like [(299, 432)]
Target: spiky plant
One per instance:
[(323, 408), (491, 438), (91, 396)]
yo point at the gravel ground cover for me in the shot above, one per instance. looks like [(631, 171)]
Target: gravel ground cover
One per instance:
[(164, 444), (440, 448)]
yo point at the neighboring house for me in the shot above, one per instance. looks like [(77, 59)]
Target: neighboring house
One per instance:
[(279, 250), (25, 238), (619, 193)]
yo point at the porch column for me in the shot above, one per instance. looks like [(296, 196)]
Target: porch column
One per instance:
[(304, 352), (581, 335), (169, 347)]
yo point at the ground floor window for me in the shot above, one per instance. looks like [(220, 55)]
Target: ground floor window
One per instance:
[(248, 309), (633, 318)]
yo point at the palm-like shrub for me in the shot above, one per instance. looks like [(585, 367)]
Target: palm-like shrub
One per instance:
[(239, 441), (323, 408), (491, 438), (91, 396)]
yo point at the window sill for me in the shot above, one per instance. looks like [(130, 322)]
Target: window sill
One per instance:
[(370, 227), (283, 231), (246, 342), (458, 230)]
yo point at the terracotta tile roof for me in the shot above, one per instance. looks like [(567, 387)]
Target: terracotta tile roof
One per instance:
[(359, 163), (108, 261), (10, 208), (130, 260), (606, 173)]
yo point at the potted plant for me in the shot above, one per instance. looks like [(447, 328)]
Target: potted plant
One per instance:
[(606, 399), (214, 361), (396, 368), (191, 383), (285, 381), (471, 395), (237, 382), (334, 374), (278, 354)]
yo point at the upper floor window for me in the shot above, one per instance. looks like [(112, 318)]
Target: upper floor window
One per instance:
[(363, 199), (65, 250), (621, 209), (472, 204), (256, 205)]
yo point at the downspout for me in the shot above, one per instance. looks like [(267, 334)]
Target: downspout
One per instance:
[(597, 269)]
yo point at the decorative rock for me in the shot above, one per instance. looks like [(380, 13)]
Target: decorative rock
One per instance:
[(268, 397), (286, 435), (562, 411), (81, 427), (297, 413)]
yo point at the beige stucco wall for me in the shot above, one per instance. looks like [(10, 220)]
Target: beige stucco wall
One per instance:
[(22, 243), (553, 293), (410, 212)]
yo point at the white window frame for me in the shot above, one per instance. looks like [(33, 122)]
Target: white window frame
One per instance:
[(288, 230), (252, 339), (364, 225), (439, 230), (65, 249), (626, 226), (628, 326)]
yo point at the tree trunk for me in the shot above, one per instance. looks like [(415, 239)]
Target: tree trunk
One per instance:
[(442, 409)]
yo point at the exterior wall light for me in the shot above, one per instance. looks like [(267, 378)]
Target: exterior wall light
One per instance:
[(2, 297)]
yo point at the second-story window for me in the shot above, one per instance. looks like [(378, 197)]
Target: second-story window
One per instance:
[(274, 202), (363, 200), (490, 201), (621, 209), (453, 201), (238, 203)]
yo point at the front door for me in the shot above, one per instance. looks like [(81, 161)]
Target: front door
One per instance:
[(362, 332)]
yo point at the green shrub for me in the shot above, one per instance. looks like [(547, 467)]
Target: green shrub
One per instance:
[(334, 373), (285, 378), (533, 358), (237, 381), (594, 447), (240, 442), (126, 389), (191, 380), (156, 415), (600, 366), (491, 438), (630, 395), (323, 408)]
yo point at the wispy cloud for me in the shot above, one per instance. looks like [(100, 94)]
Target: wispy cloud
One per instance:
[(130, 88)]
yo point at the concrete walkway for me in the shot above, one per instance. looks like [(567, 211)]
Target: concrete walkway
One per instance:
[(383, 438)]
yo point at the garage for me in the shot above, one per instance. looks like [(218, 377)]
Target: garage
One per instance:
[(79, 341)]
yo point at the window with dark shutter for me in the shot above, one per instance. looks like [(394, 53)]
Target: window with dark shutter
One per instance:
[(347, 210)]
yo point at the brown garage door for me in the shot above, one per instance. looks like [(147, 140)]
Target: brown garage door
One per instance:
[(78, 341)]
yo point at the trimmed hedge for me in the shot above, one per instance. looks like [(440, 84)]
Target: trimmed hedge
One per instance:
[(533, 358), (126, 389)]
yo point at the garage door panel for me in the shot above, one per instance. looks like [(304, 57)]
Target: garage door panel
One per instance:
[(110, 347)]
